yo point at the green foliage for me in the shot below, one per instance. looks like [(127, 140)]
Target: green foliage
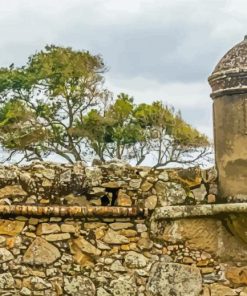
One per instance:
[(57, 86), (57, 104)]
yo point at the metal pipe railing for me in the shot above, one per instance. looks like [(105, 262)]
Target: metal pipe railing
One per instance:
[(71, 211)]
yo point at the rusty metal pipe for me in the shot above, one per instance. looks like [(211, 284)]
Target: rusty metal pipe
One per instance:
[(71, 211)]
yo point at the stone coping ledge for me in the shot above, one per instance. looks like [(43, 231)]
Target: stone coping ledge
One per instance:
[(184, 211), (72, 211)]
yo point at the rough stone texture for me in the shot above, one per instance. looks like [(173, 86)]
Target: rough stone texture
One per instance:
[(237, 275), (200, 192), (85, 246), (151, 202), (79, 285), (220, 290), (123, 287), (135, 260), (206, 234), (102, 292), (113, 237), (6, 281), (41, 252), (101, 255), (46, 228), (9, 227), (168, 279), (12, 191), (5, 255), (170, 193)]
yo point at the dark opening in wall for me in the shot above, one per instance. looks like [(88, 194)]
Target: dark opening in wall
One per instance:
[(105, 201)]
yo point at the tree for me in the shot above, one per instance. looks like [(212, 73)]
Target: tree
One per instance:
[(55, 89), (57, 104), (134, 132)]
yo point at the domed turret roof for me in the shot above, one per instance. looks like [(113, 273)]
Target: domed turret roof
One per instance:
[(230, 74), (234, 59)]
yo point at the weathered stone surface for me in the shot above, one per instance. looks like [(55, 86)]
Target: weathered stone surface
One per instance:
[(206, 234), (102, 292), (72, 199), (151, 202), (117, 266), (200, 193), (163, 176), (128, 232), (123, 287), (168, 279), (9, 227), (12, 191), (237, 275), (97, 191), (102, 246), (211, 198), (141, 228), (190, 177), (25, 291), (145, 244), (197, 233), (135, 183), (123, 199), (112, 237), (111, 184), (135, 260), (82, 259), (146, 186), (47, 228), (86, 246), (79, 285), (121, 225), (238, 225), (57, 237), (68, 228), (170, 193), (94, 225), (5, 255), (41, 252), (220, 290), (6, 281), (36, 283)]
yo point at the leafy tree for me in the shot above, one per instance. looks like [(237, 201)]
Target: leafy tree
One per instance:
[(55, 88), (57, 104), (134, 132)]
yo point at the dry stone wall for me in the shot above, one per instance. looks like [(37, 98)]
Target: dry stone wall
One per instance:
[(119, 256)]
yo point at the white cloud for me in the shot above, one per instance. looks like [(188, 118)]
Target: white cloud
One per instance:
[(155, 49)]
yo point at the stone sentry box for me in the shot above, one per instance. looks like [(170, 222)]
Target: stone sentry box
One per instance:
[(229, 93)]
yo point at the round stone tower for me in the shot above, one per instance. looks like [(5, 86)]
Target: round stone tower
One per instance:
[(229, 93)]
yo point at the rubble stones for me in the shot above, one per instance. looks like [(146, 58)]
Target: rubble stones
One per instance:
[(85, 246), (79, 286), (41, 252), (170, 193), (12, 191), (123, 287), (11, 228), (6, 280), (103, 256), (5, 255), (135, 260), (113, 237), (168, 279)]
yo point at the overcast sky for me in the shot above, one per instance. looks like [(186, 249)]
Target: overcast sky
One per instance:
[(154, 49)]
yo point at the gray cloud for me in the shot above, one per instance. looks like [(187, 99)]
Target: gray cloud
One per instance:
[(154, 46)]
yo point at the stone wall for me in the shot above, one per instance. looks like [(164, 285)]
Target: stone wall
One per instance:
[(121, 256)]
